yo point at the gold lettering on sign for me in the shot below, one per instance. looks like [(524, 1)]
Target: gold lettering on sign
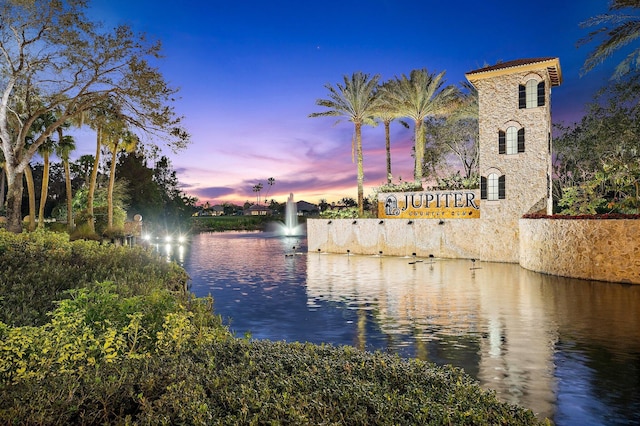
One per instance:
[(464, 204)]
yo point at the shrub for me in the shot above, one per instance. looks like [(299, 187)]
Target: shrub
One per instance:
[(121, 352), (180, 366), (101, 356), (37, 268), (401, 186)]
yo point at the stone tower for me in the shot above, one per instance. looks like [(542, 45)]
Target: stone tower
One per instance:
[(515, 147)]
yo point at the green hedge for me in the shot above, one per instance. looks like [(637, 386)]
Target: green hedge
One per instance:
[(37, 268)]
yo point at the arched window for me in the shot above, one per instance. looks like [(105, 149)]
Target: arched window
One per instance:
[(493, 188), (531, 94), (511, 141)]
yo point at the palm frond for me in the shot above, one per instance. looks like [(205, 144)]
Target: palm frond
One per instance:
[(617, 31)]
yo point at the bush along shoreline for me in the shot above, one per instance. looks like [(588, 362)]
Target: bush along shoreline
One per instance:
[(121, 346)]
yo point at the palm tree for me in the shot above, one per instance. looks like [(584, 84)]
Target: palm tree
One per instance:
[(66, 144), (356, 101), (271, 181), (417, 97), (28, 175), (103, 118), (624, 30), (117, 141), (257, 188), (38, 127), (387, 115), (45, 150)]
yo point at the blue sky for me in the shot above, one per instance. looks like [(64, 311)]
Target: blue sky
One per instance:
[(249, 74)]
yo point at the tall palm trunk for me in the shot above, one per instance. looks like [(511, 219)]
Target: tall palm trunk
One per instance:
[(419, 151), (92, 182), (360, 169), (387, 135), (32, 198), (67, 183), (44, 190)]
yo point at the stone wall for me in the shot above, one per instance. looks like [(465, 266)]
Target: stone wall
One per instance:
[(452, 238), (605, 250), (449, 238)]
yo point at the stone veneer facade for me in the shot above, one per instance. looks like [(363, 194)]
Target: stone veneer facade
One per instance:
[(590, 249), (605, 250), (527, 174)]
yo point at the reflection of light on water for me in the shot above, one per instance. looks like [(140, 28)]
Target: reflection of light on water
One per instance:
[(505, 326)]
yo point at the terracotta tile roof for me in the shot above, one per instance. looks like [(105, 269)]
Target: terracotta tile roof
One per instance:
[(553, 69)]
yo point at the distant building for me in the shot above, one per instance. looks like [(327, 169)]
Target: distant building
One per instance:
[(307, 209), (256, 210), (217, 210)]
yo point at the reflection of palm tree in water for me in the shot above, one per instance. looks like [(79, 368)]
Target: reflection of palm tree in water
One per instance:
[(361, 338), (422, 351)]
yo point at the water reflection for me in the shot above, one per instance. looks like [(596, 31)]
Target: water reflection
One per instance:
[(568, 349)]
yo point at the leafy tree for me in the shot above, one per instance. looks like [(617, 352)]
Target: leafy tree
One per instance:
[(618, 28), (145, 197), (44, 39), (598, 159), (356, 101), (82, 167), (230, 209), (100, 201), (348, 202), (155, 192), (417, 97), (323, 204), (448, 137)]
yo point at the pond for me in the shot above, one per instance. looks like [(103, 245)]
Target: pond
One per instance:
[(567, 349)]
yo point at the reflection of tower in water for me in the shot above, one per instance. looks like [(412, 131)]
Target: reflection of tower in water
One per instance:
[(486, 325)]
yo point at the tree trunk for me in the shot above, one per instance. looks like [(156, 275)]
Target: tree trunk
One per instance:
[(31, 190), (419, 152), (3, 185), (92, 182), (67, 182), (388, 146), (360, 170), (44, 190), (112, 179), (14, 201)]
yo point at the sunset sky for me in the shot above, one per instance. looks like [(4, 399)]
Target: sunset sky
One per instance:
[(249, 74)]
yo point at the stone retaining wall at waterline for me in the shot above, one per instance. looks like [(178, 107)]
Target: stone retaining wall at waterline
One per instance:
[(603, 249), (596, 249)]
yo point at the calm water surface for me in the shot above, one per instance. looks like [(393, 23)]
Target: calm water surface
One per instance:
[(567, 349)]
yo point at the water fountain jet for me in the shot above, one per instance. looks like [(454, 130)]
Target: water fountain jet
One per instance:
[(290, 227)]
